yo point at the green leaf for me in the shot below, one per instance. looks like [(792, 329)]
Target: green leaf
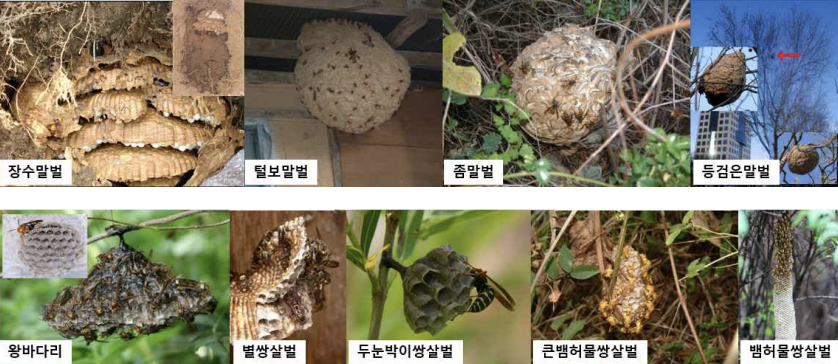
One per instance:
[(510, 134), (583, 272), (490, 91), (561, 319), (435, 226), (498, 120), (505, 80), (355, 256), (674, 231), (491, 142), (695, 267), (456, 98), (573, 328), (368, 230), (565, 259), (461, 79), (553, 269), (687, 217), (411, 233)]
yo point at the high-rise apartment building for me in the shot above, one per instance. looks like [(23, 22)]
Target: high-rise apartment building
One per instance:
[(723, 135)]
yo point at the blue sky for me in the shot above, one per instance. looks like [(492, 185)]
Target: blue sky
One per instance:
[(704, 12)]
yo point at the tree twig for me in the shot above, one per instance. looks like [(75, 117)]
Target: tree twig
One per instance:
[(684, 307), (150, 224)]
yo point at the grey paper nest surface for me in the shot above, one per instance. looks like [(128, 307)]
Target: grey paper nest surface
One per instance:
[(128, 295), (564, 80), (51, 249), (348, 76), (724, 80)]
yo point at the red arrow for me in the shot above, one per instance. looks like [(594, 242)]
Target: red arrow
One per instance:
[(788, 55)]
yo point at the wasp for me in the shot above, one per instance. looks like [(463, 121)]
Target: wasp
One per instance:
[(525, 68), (25, 228), (487, 290)]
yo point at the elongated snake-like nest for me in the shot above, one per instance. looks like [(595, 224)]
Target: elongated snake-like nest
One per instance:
[(283, 287), (564, 80), (724, 81), (783, 274), (348, 76), (802, 159)]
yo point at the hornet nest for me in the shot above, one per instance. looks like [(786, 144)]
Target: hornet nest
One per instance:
[(802, 159), (283, 287), (632, 300), (563, 80), (724, 80), (127, 294), (348, 76)]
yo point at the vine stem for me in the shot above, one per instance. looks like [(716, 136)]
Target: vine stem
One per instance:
[(380, 283), (145, 225)]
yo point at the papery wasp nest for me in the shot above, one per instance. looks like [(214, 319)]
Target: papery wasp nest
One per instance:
[(348, 76), (724, 80), (50, 248), (114, 93), (128, 295), (437, 289), (802, 159), (631, 303), (284, 286), (564, 80)]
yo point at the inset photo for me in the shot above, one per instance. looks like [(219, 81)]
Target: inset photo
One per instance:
[(777, 58), (787, 272), (95, 89), (724, 79), (356, 90), (665, 277), (288, 274), (570, 93), (209, 39), (156, 288), (441, 275), (44, 246)]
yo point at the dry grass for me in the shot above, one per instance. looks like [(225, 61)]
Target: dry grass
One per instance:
[(710, 297), (497, 31)]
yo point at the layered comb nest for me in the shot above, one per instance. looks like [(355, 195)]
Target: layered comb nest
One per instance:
[(632, 300), (437, 289), (348, 76), (564, 80), (117, 115), (802, 159), (283, 287), (52, 249), (128, 295), (210, 21), (724, 81)]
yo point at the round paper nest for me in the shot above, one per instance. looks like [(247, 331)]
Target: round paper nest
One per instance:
[(564, 80), (802, 159), (348, 76)]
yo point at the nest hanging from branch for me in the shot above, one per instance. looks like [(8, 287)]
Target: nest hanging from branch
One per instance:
[(802, 159), (724, 81)]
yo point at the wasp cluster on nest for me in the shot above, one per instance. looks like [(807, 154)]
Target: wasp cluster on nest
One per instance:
[(128, 295), (564, 80), (108, 105), (631, 302), (284, 286)]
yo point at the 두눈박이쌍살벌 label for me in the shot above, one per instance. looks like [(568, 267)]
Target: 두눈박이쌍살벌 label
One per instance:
[(405, 351)]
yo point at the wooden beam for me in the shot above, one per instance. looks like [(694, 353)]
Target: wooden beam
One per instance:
[(415, 20), (384, 7), (287, 49)]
